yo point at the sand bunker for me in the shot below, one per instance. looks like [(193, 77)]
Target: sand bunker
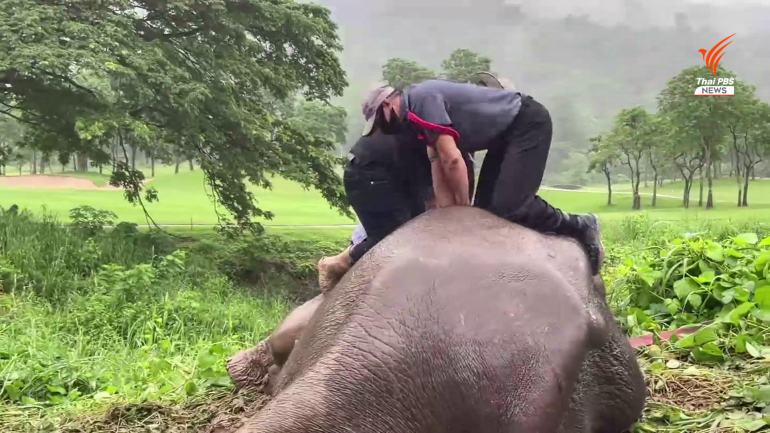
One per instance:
[(52, 181)]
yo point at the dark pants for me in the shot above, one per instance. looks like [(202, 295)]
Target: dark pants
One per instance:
[(513, 170), (379, 204)]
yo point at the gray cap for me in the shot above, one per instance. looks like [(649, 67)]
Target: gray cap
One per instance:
[(372, 102), (488, 79)]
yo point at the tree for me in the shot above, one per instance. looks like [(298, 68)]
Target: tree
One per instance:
[(698, 119), (603, 157), (754, 143), (400, 73), (462, 64), (197, 75), (656, 142), (10, 134), (320, 119), (630, 137)]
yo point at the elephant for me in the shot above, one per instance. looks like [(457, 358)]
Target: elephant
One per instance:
[(459, 321)]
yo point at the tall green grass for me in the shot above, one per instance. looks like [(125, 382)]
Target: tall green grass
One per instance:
[(89, 319)]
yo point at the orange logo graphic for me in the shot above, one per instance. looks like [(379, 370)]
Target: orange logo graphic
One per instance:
[(711, 59)]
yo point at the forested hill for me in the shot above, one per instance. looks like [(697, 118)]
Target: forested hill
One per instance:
[(611, 57)]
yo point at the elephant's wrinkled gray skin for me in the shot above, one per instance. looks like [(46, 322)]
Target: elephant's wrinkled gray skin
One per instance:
[(460, 322)]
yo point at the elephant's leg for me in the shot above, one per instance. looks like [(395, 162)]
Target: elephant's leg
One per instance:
[(249, 368)]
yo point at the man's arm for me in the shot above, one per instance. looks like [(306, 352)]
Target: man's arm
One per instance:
[(455, 173), (443, 194)]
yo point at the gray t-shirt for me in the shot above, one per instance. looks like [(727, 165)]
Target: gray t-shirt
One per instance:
[(475, 116)]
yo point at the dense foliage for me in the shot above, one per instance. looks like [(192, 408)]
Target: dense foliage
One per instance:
[(91, 317), (198, 78)]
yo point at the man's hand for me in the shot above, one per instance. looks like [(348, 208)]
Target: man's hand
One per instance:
[(453, 168)]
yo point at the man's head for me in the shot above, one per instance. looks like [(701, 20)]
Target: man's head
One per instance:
[(382, 109)]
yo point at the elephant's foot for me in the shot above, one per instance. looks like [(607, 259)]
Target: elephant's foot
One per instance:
[(332, 269), (248, 368)]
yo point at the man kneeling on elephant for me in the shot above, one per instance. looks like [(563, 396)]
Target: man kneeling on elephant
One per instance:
[(454, 118)]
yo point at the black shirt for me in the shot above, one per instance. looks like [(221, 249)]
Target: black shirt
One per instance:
[(401, 159)]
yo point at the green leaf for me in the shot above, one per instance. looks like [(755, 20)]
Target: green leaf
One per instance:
[(746, 239), (752, 425), (706, 277), (695, 300), (709, 352), (765, 242), (684, 287), (715, 252), (649, 275), (699, 338), (760, 394), (761, 261), (57, 390), (742, 294), (739, 312), (761, 315), (672, 306), (740, 343), (753, 351), (190, 387), (728, 296), (206, 361), (704, 267), (733, 253), (762, 297)]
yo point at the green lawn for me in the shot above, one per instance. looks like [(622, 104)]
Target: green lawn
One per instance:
[(183, 200)]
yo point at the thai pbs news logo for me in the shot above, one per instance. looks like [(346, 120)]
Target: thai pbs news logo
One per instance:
[(715, 86)]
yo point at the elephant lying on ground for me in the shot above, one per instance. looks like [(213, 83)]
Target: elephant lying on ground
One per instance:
[(459, 322)]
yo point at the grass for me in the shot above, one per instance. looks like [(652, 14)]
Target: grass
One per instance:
[(92, 319), (183, 201)]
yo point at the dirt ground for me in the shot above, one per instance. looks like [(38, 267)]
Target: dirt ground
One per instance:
[(50, 182)]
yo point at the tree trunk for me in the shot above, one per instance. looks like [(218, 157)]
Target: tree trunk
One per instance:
[(133, 157), (655, 190), (101, 169), (700, 198), (82, 163), (753, 174), (709, 177), (192, 166), (737, 172), (609, 187), (34, 161), (152, 165), (746, 188), (176, 170)]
